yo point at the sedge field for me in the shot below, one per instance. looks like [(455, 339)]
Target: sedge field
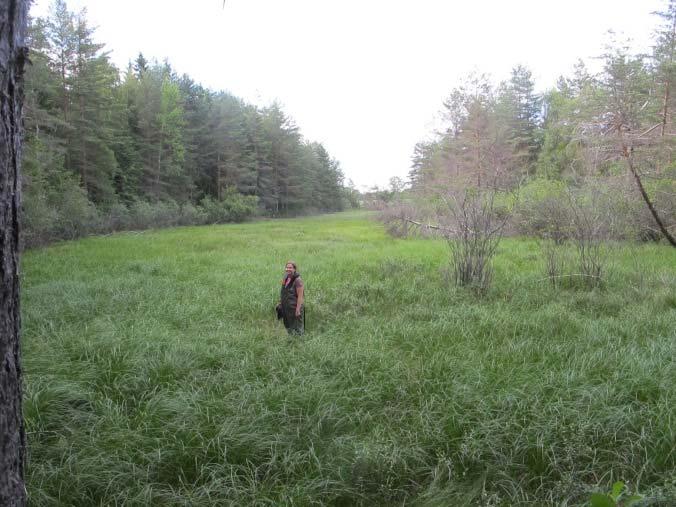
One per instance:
[(156, 373)]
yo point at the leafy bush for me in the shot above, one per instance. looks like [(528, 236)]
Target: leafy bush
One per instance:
[(142, 215), (65, 212), (234, 207), (167, 213), (58, 211), (37, 219), (214, 211), (118, 218), (191, 215), (146, 215), (74, 214)]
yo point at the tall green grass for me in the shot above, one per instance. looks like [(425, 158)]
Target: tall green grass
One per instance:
[(156, 373)]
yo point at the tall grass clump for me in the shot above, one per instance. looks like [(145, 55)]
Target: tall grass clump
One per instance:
[(156, 373)]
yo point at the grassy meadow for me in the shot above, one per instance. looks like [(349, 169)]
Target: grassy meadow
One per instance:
[(156, 373)]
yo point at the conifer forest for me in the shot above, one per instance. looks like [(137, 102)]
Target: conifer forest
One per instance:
[(110, 149)]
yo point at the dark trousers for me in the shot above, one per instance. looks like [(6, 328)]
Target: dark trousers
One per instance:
[(293, 324)]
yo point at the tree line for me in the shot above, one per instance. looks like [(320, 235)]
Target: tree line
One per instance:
[(609, 131), (145, 147), (587, 162)]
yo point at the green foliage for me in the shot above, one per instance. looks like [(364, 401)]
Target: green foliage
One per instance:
[(153, 142), (119, 218), (192, 215), (146, 215), (662, 192), (74, 214), (520, 109), (57, 208), (351, 197), (561, 154), (618, 497), (590, 128), (234, 207), (543, 209), (491, 139), (156, 373)]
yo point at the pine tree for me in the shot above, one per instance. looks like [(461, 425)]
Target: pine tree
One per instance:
[(665, 62), (140, 65), (93, 81), (12, 434), (93, 138), (520, 111), (62, 55), (126, 139)]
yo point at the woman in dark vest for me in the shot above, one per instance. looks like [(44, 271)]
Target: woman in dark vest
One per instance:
[(291, 300)]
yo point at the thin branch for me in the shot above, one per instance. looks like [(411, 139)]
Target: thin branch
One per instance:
[(419, 224), (649, 130), (428, 226)]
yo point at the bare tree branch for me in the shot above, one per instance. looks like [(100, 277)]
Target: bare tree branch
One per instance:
[(627, 152)]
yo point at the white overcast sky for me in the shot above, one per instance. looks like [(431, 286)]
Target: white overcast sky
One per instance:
[(365, 77)]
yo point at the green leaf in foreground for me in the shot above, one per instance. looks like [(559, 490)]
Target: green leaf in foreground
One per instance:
[(602, 500)]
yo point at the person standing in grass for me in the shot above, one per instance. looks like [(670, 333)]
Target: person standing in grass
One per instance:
[(292, 297)]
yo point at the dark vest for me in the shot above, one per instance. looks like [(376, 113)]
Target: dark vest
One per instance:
[(289, 296)]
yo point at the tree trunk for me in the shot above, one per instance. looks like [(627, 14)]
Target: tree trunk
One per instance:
[(219, 197), (628, 156), (159, 164), (83, 141), (12, 436), (667, 84)]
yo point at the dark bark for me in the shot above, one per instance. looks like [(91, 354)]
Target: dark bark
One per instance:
[(12, 435)]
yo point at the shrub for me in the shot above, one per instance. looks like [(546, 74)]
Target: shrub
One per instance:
[(37, 219), (60, 210), (142, 215), (167, 213), (74, 214), (239, 206), (399, 219), (474, 228), (191, 215), (234, 207), (587, 217), (213, 211), (118, 218), (543, 210), (663, 195)]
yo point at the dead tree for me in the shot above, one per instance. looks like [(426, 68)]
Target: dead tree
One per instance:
[(12, 436), (627, 150)]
